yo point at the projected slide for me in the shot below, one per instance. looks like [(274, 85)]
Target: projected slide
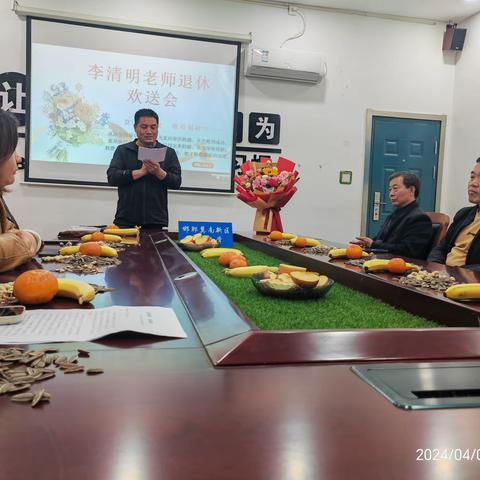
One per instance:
[(82, 102)]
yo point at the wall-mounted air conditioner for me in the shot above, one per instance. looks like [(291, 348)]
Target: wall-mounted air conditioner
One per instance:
[(284, 64)]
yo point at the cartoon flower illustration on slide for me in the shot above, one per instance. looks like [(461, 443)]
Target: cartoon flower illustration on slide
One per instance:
[(73, 121)]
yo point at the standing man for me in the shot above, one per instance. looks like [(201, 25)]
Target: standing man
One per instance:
[(142, 186), (408, 230), (461, 245)]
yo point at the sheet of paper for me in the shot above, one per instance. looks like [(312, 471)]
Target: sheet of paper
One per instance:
[(42, 326), (153, 154)]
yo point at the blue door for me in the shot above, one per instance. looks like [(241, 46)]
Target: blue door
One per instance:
[(401, 144)]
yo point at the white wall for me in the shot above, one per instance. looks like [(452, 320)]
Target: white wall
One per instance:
[(465, 122), (372, 63)]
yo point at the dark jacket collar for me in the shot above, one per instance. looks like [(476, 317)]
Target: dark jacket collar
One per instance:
[(400, 212)]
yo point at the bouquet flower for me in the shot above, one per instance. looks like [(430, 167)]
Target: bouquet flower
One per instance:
[(267, 187)]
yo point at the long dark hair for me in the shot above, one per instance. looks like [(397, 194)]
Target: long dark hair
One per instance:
[(8, 135)]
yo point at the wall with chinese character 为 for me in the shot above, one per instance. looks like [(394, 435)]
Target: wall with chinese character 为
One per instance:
[(372, 63)]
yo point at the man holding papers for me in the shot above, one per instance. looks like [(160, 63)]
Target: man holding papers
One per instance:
[(143, 171)]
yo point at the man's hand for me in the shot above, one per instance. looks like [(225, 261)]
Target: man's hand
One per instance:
[(363, 241), (154, 168), (141, 172)]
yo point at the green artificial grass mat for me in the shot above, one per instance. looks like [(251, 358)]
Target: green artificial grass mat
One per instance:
[(341, 307)]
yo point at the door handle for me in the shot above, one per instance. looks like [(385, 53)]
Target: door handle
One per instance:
[(376, 206)]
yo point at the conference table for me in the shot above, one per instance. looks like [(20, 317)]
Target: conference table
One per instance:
[(233, 402)]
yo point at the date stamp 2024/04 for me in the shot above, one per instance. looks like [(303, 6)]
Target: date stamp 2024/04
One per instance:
[(454, 454)]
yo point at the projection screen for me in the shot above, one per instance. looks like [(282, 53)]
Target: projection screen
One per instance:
[(84, 84)]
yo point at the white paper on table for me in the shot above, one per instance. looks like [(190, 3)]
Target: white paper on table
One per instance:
[(77, 325), (82, 228), (152, 154)]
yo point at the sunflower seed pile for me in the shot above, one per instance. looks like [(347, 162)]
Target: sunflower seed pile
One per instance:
[(6, 293), (438, 281), (116, 246), (283, 243), (82, 263), (359, 261), (119, 247), (20, 369), (320, 250)]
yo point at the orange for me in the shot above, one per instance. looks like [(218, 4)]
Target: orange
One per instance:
[(397, 265), (97, 236), (238, 261), (275, 235), (35, 286), (300, 242), (93, 249), (354, 251), (111, 226), (225, 258)]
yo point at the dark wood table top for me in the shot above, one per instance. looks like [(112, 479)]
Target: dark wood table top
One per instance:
[(169, 414), (230, 402)]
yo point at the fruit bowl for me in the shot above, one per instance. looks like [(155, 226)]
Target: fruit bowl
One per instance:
[(192, 247), (293, 292)]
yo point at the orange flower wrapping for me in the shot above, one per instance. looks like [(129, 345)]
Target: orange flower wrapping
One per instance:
[(267, 187)]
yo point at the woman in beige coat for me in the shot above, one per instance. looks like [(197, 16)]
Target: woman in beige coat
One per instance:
[(16, 246)]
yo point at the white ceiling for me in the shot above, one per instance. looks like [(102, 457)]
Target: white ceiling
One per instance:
[(442, 10)]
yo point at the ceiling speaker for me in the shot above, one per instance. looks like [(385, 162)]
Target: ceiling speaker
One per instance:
[(454, 38)]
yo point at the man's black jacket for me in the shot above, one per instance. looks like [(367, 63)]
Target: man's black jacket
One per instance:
[(407, 231), (463, 217), (143, 201)]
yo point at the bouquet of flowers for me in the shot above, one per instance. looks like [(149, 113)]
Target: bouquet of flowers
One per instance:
[(267, 187)]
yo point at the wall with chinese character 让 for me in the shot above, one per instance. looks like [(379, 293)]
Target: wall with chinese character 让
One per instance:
[(372, 63)]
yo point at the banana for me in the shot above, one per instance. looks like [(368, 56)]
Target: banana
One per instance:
[(412, 266), (376, 265), (312, 242), (380, 264), (288, 236), (69, 250), (130, 241), (108, 252), (105, 251), (76, 289), (216, 252), (106, 238), (342, 253), (246, 272), (122, 231), (337, 253), (463, 291)]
